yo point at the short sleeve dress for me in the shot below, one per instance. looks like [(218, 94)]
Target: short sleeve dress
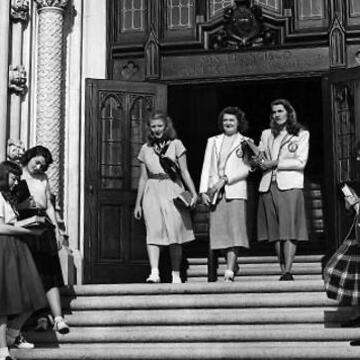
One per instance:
[(21, 289), (165, 222)]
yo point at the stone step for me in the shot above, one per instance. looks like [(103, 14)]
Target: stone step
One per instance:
[(242, 277), (269, 315), (200, 333), (196, 351), (198, 301), (202, 288), (259, 269), (260, 259)]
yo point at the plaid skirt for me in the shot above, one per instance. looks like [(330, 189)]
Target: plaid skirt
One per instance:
[(342, 273)]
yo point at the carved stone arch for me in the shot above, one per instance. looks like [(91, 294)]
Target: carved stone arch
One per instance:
[(337, 45), (152, 56)]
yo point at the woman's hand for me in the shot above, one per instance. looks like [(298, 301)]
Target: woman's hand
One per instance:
[(205, 199), (268, 164), (137, 212), (194, 200)]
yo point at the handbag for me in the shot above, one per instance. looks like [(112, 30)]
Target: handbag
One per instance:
[(342, 271)]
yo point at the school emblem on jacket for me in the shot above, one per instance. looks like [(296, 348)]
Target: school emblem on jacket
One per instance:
[(293, 146), (239, 152)]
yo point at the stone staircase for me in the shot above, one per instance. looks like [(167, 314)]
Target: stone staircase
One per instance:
[(256, 317)]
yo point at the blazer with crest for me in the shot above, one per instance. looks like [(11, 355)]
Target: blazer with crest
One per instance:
[(292, 159), (236, 169)]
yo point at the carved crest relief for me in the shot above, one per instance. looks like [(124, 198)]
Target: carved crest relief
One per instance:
[(243, 27)]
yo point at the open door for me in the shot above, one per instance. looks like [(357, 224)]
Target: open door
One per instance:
[(341, 90), (115, 123)]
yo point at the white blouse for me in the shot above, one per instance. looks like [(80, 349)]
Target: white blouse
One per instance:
[(6, 211)]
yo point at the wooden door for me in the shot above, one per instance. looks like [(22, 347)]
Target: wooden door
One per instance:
[(115, 129), (341, 99)]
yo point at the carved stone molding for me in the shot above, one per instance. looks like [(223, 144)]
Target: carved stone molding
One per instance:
[(20, 10), (129, 70), (337, 44), (152, 56), (15, 150), (243, 27), (61, 4), (17, 79)]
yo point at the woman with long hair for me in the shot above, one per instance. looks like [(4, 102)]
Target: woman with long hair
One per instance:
[(21, 291), (163, 172), (281, 210)]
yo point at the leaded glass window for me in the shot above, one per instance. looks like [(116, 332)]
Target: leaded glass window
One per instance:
[(311, 9), (354, 8), (133, 15), (217, 6), (271, 4), (180, 14)]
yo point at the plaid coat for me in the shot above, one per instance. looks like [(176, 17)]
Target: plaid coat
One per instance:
[(342, 273)]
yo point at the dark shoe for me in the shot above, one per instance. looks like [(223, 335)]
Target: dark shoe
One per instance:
[(355, 343), (286, 277), (352, 323), (21, 343)]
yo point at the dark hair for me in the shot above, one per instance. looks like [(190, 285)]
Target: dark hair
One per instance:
[(37, 151), (240, 115), (169, 132), (7, 167), (292, 125)]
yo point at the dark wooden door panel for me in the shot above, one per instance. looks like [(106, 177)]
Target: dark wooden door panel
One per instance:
[(116, 116), (341, 99)]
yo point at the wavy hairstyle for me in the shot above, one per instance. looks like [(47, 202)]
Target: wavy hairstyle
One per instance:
[(7, 167), (292, 125), (243, 124), (169, 132), (37, 151)]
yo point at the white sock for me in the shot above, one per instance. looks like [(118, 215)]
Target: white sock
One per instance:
[(175, 274), (4, 352), (155, 271)]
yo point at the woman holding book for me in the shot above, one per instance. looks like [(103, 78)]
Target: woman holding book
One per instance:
[(21, 290), (163, 168), (223, 186), (281, 210), (35, 162)]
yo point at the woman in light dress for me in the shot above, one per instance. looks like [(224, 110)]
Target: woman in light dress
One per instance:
[(164, 173)]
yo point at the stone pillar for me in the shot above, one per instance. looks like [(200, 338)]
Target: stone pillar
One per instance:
[(4, 73), (17, 75), (49, 106)]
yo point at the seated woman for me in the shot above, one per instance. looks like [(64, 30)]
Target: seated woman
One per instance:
[(21, 291), (35, 161)]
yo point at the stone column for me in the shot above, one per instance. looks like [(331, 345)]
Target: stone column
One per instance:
[(17, 75), (4, 71), (49, 106)]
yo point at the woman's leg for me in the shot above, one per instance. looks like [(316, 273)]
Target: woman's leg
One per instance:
[(231, 257), (280, 255), (54, 300), (175, 256), (289, 254), (13, 336), (154, 256), (4, 351)]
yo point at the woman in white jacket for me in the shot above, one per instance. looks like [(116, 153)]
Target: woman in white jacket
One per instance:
[(223, 187), (281, 210)]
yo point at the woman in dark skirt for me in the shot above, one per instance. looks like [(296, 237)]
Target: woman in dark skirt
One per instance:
[(35, 162), (21, 291), (281, 210)]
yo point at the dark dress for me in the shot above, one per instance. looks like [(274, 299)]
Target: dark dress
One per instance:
[(21, 289)]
